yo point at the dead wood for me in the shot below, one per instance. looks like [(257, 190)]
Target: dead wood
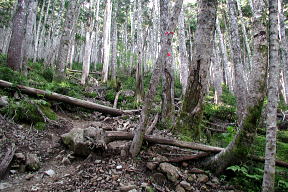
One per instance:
[(188, 157), (7, 160), (116, 99), (120, 135), (77, 71), (67, 99), (153, 124)]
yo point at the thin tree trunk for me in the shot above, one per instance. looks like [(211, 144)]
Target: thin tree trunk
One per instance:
[(106, 37), (191, 112), (114, 40), (271, 117), (140, 132)]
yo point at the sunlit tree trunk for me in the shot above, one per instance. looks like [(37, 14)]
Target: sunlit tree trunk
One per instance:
[(106, 37), (31, 22), (167, 108), (184, 69), (271, 115), (114, 41), (191, 111), (38, 32), (240, 84), (165, 41), (15, 50), (217, 75), (70, 18), (140, 53)]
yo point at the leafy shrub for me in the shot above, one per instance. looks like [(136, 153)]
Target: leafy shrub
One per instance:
[(227, 97), (7, 74), (222, 112)]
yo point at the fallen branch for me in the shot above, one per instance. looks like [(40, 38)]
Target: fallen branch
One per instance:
[(77, 71), (67, 99), (152, 126), (262, 159), (120, 135), (188, 157), (116, 99), (7, 160)]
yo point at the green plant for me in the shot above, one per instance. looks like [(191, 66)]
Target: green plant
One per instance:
[(227, 97)]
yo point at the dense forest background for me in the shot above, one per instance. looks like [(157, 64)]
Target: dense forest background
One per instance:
[(212, 72)]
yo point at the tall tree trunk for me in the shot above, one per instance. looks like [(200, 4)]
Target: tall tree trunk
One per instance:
[(114, 40), (165, 41), (271, 117), (240, 84), (106, 37), (184, 69), (70, 21), (15, 50), (218, 75), (239, 148), (191, 112), (38, 32), (167, 108), (31, 22), (140, 54)]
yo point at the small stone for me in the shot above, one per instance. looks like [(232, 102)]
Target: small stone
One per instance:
[(180, 189), (185, 164), (126, 188), (159, 179), (119, 167), (171, 171), (32, 162), (20, 156), (213, 185), (97, 161), (50, 172), (13, 171), (151, 165), (4, 101), (215, 180), (202, 178), (29, 176), (5, 186), (185, 185), (123, 153), (192, 178), (66, 161), (133, 190)]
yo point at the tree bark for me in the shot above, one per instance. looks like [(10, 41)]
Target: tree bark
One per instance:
[(140, 132), (191, 111), (15, 50), (106, 39), (271, 117), (70, 21)]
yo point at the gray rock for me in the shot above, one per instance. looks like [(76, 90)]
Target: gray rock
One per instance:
[(118, 145), (185, 185), (202, 178), (151, 165), (82, 141), (4, 101), (215, 180), (192, 178), (159, 179), (50, 172), (20, 156), (171, 171), (126, 188), (66, 161), (133, 190), (5, 186), (32, 162), (179, 188)]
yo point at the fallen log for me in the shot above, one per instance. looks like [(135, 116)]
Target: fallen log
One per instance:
[(4, 164), (70, 100), (153, 124), (188, 157), (77, 71), (120, 135)]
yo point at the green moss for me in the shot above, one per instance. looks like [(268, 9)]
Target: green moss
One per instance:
[(40, 126), (282, 136), (220, 112)]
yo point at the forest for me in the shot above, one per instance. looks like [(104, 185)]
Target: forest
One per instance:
[(144, 95)]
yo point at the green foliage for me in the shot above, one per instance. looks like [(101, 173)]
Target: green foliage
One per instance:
[(40, 126), (7, 74), (110, 95), (227, 97), (220, 112)]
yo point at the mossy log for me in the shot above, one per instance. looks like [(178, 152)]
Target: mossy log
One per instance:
[(67, 99)]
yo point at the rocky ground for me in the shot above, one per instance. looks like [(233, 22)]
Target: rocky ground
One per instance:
[(43, 163)]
